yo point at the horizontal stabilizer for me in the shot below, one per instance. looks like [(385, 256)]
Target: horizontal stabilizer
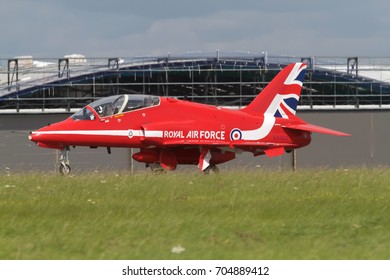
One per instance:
[(315, 128)]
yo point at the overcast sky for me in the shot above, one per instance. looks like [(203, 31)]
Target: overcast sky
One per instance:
[(125, 28)]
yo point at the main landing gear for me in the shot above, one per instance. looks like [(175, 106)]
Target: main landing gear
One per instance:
[(211, 169), (156, 168), (64, 167)]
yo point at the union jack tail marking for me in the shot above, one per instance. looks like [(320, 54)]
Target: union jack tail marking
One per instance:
[(280, 97)]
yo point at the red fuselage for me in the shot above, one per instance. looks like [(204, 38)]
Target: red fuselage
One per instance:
[(171, 124), (169, 131)]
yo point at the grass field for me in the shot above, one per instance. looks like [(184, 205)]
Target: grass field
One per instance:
[(310, 214)]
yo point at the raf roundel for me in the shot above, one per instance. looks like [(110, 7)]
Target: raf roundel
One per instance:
[(235, 134)]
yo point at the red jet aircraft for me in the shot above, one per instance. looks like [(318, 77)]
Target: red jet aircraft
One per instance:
[(169, 131)]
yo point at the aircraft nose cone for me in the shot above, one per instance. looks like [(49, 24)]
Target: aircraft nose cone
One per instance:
[(45, 141), (32, 136), (37, 137)]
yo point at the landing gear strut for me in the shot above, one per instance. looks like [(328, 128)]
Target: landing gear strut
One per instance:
[(64, 167)]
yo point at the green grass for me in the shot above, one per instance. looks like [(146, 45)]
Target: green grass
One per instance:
[(310, 214)]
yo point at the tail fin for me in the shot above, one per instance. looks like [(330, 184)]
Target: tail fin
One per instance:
[(280, 97)]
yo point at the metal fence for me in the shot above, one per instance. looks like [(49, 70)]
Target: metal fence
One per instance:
[(228, 79)]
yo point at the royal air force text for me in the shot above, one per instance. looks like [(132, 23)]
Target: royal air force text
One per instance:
[(195, 134)]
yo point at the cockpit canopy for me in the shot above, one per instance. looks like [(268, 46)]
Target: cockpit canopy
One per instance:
[(116, 104)]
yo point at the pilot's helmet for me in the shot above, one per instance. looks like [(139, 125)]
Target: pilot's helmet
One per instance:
[(99, 110)]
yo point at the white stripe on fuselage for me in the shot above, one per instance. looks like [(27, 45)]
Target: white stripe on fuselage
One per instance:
[(152, 133), (262, 131), (139, 133), (255, 134), (269, 118), (88, 132)]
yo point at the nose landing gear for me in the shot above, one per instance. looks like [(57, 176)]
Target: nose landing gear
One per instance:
[(64, 167)]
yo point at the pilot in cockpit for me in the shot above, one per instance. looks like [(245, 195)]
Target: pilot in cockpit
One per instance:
[(99, 110)]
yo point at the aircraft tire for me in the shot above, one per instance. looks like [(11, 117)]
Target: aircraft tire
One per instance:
[(156, 168), (64, 169), (212, 169)]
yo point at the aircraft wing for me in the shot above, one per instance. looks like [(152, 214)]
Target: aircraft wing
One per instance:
[(314, 128), (184, 142), (259, 148), (259, 144), (269, 148), (219, 143)]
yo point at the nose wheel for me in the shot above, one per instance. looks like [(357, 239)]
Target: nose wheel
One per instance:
[(64, 167)]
